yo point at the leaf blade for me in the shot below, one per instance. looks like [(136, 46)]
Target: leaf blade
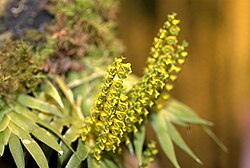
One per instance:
[(45, 137), (30, 144), (178, 140), (138, 143), (82, 151), (165, 141), (16, 151), (52, 92), (40, 105), (215, 138)]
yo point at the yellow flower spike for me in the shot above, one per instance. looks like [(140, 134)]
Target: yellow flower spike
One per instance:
[(97, 153), (174, 30), (121, 115), (135, 130), (99, 125), (109, 146), (173, 77), (126, 68), (119, 123), (171, 40), (103, 116), (175, 22), (184, 54), (111, 70), (101, 146), (169, 87), (181, 61), (168, 49), (123, 98)]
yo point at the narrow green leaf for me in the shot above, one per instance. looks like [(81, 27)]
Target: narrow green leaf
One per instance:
[(178, 140), (2, 148), (165, 141), (65, 89), (185, 113), (72, 134), (40, 105), (3, 112), (52, 129), (108, 163), (25, 112), (215, 138), (4, 139), (21, 121), (45, 137), (16, 151), (30, 144), (82, 151), (92, 162), (52, 91), (138, 143), (131, 148), (4, 123)]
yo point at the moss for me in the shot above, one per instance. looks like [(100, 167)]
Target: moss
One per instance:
[(19, 70)]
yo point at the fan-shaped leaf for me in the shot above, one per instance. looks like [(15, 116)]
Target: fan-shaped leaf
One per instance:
[(138, 143), (16, 151), (165, 141), (176, 137), (40, 105), (30, 144), (51, 91), (82, 151)]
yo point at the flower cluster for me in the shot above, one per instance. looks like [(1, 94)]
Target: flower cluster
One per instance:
[(109, 113), (149, 154), (116, 113), (163, 66)]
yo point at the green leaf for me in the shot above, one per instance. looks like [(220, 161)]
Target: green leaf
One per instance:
[(176, 137), (52, 129), (30, 144), (92, 162), (4, 123), (21, 121), (138, 143), (16, 151), (40, 105), (72, 134), (4, 139), (45, 137), (51, 91), (215, 138), (108, 163), (65, 89), (3, 112), (184, 113), (2, 147), (160, 128), (82, 151)]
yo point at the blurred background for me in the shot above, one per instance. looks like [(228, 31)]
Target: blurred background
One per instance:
[(215, 79)]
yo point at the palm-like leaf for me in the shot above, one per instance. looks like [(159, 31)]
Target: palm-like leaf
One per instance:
[(178, 113)]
